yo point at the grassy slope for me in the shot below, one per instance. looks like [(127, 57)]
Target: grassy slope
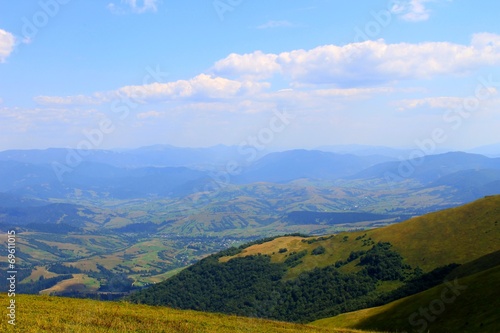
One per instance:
[(79, 282), (475, 309), (456, 235), (35, 314)]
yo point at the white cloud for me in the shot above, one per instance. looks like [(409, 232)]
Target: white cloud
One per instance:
[(430, 102), (275, 24), (353, 92), (443, 102), (411, 10), (136, 6), (365, 64), (201, 87), (326, 73), (71, 100), (256, 65), (7, 43), (378, 62)]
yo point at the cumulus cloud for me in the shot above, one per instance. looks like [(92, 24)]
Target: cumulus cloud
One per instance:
[(327, 71), (366, 63), (411, 10), (256, 65), (203, 86), (7, 43)]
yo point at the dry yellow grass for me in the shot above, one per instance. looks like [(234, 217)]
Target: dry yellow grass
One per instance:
[(79, 282), (37, 314), (39, 271), (459, 235), (351, 319), (109, 261), (79, 249), (268, 248)]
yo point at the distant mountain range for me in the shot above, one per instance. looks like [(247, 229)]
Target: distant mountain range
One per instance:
[(492, 150), (311, 164), (165, 171), (157, 156), (429, 168), (365, 150)]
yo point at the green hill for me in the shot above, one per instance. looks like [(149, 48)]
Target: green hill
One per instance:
[(456, 235), (301, 279), (472, 306), (36, 314)]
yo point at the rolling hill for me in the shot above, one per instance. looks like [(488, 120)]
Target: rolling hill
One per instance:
[(297, 278), (160, 218)]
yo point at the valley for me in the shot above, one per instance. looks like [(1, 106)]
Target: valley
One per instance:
[(343, 219), (393, 271)]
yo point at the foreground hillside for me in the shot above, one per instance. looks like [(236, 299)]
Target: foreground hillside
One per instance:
[(302, 279), (471, 307), (35, 314), (456, 235)]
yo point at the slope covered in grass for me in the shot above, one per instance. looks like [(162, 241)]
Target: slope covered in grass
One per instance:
[(36, 314), (301, 279), (471, 305), (458, 235), (455, 235)]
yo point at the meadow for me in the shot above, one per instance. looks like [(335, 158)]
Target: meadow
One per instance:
[(37, 314)]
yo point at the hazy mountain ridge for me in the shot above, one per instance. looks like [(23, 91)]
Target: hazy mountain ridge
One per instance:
[(429, 168), (156, 155), (31, 173), (290, 165)]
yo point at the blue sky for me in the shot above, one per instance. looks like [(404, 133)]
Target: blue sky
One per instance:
[(292, 74)]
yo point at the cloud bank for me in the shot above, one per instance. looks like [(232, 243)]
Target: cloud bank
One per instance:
[(327, 70), (366, 63)]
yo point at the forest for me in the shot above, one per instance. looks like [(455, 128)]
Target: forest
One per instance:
[(254, 286)]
